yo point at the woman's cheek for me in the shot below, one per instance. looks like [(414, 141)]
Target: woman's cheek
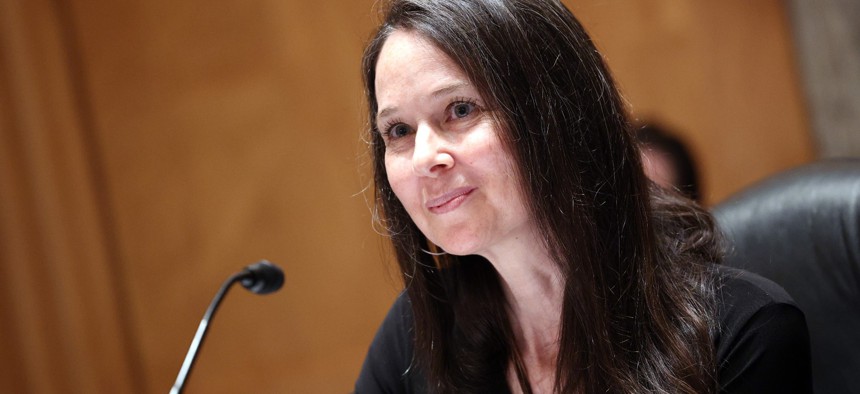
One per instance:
[(398, 171)]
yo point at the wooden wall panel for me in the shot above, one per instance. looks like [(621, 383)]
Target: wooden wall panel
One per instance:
[(214, 134), (64, 327), (720, 74), (232, 133)]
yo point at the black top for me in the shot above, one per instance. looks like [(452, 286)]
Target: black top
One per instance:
[(762, 345)]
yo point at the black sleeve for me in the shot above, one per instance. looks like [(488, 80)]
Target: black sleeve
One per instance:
[(771, 355), (388, 365), (763, 346)]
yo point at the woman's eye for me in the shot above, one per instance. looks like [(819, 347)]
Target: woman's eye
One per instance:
[(462, 110), (398, 130)]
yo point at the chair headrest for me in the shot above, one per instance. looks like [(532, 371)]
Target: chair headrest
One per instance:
[(801, 229), (811, 213)]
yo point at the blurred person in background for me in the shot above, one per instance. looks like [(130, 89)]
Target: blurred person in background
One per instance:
[(667, 161)]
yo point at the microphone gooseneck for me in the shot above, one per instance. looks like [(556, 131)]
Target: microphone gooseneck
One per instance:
[(262, 277)]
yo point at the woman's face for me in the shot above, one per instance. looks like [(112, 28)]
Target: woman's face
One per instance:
[(443, 155)]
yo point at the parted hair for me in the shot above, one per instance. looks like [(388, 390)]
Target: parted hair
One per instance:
[(637, 262)]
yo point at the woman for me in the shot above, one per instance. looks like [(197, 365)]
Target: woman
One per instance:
[(534, 254)]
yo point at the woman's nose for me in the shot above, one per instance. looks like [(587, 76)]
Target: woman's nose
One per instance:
[(431, 155)]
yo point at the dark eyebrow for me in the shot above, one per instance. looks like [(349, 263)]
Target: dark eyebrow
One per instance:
[(385, 112), (448, 89)]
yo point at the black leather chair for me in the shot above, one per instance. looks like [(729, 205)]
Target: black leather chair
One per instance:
[(801, 229)]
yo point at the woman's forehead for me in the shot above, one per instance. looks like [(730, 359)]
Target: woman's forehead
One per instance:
[(410, 66)]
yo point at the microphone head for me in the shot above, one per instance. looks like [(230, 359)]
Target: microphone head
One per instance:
[(263, 277)]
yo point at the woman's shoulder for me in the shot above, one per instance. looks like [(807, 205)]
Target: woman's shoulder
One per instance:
[(762, 341), (389, 364), (741, 293)]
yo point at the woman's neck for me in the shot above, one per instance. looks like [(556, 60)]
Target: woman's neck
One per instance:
[(534, 288)]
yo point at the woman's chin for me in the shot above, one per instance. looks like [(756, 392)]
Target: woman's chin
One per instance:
[(457, 247)]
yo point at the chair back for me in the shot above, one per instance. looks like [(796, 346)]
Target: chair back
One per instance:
[(801, 229)]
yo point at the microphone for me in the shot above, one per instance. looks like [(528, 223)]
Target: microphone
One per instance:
[(262, 277)]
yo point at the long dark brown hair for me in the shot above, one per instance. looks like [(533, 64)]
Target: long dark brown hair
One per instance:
[(638, 309)]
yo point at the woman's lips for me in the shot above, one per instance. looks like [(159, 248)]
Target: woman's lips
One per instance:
[(449, 201)]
